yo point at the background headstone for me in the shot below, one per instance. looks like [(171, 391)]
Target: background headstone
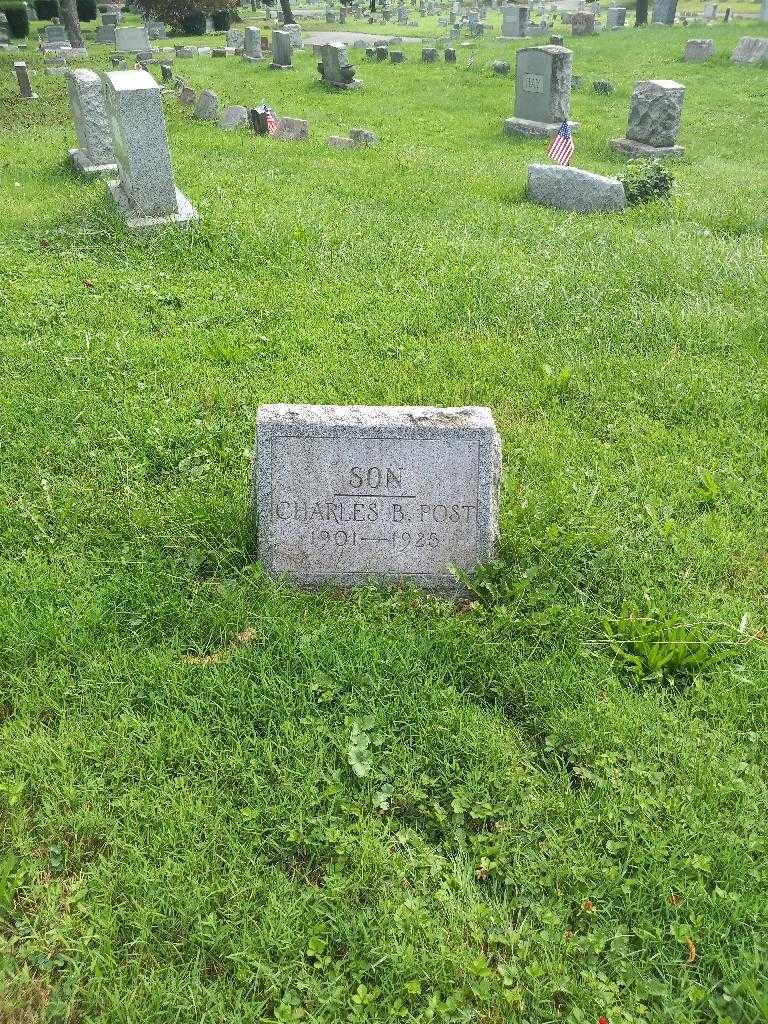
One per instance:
[(654, 120), (86, 100)]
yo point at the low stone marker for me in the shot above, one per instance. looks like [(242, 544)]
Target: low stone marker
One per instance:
[(86, 100), (429, 55), (291, 129), (207, 106), (336, 69), (145, 192), (664, 12), (233, 117), (603, 87), (500, 67), (252, 45), (131, 39), (358, 137), (568, 188), (166, 72), (353, 494), (542, 92), (654, 121), (282, 50), (582, 23), (514, 24), (751, 50), (697, 50), (187, 96), (397, 56), (450, 55), (22, 78)]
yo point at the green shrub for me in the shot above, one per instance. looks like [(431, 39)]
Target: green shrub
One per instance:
[(47, 9), (86, 10), (222, 20), (646, 180), (18, 19), (193, 23)]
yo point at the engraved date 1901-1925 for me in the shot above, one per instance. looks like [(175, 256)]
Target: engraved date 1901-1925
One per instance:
[(398, 539)]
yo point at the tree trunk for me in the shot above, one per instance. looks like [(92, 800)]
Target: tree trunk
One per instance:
[(71, 22), (288, 17), (641, 13)]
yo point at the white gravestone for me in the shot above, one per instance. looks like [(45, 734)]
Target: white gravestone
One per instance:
[(145, 192), (350, 494), (86, 100)]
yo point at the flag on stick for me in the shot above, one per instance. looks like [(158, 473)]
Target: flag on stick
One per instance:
[(562, 146)]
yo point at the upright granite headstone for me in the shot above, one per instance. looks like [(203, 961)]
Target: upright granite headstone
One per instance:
[(281, 50), (207, 106), (131, 38), (710, 11), (654, 120), (336, 69), (616, 17), (697, 50), (294, 32), (664, 12), (252, 44), (542, 92), (22, 78), (582, 23), (514, 22), (145, 192), (353, 494), (86, 100)]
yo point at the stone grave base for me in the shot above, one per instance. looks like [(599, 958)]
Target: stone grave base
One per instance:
[(82, 163), (135, 222), (511, 39), (535, 129), (356, 83), (252, 60), (281, 67), (630, 148)]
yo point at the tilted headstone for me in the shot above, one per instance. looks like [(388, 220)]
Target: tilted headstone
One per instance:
[(22, 78), (282, 50), (568, 188), (233, 117), (582, 23), (336, 69), (397, 56), (616, 17), (207, 106), (751, 50), (664, 12), (654, 121), (542, 92), (350, 495), (514, 23), (131, 38), (252, 44), (187, 96), (86, 100), (145, 192), (699, 50)]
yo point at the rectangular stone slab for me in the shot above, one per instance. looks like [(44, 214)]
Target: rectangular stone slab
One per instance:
[(353, 494)]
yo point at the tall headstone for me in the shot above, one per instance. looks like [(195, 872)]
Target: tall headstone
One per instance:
[(22, 78), (542, 92), (131, 38), (294, 32), (281, 50), (514, 24), (616, 17), (336, 69), (664, 12), (95, 154), (654, 121), (354, 494), (145, 192), (252, 44)]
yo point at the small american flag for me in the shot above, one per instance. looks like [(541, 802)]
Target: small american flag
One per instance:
[(271, 122), (562, 146)]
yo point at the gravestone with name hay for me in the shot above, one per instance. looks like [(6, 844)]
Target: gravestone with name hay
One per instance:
[(86, 100), (654, 121), (542, 91), (353, 494), (145, 191)]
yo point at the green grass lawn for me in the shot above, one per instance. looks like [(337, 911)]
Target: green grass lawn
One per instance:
[(553, 822)]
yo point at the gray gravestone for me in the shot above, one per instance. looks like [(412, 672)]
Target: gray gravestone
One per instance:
[(294, 32), (664, 12), (616, 17), (568, 188), (86, 100), (397, 56), (654, 121), (710, 12), (291, 129), (281, 50), (145, 192), (233, 117), (751, 50), (500, 67), (514, 23), (699, 50), (429, 55), (252, 44), (335, 67), (22, 78), (187, 96), (582, 23), (106, 34), (352, 494), (450, 55), (207, 106), (131, 39), (542, 91), (764, 11)]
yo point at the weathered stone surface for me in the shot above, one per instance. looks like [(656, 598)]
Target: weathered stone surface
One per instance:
[(207, 106), (397, 56), (335, 67), (500, 67), (187, 96), (185, 52), (282, 50), (582, 23), (616, 17), (655, 113), (294, 32), (568, 188), (106, 34), (86, 100), (233, 117), (751, 50), (429, 55), (252, 44), (131, 39), (664, 12), (145, 192), (542, 91), (699, 50), (348, 495), (710, 11), (235, 39), (22, 78), (291, 129), (340, 142), (450, 55), (514, 21), (362, 137)]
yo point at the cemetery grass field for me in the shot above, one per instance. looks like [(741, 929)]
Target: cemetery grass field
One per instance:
[(223, 800)]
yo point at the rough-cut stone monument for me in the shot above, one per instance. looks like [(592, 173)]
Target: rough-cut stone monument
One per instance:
[(542, 91), (654, 121), (699, 50), (86, 100), (336, 69), (514, 22), (568, 188), (351, 494), (145, 192), (751, 50)]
